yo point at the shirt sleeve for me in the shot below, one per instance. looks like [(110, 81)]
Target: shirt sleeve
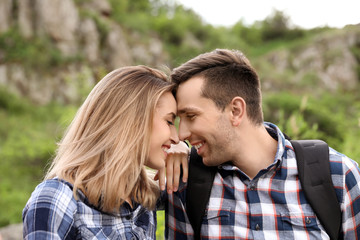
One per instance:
[(351, 199), (49, 213), (177, 223), (164, 196)]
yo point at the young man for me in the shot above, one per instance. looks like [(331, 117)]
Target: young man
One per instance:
[(256, 193)]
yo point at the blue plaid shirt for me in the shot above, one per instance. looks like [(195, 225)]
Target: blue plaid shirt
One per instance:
[(53, 213), (270, 206)]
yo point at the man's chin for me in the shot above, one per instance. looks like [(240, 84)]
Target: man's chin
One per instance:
[(207, 162)]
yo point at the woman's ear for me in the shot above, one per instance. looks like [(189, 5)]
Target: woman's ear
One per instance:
[(238, 110)]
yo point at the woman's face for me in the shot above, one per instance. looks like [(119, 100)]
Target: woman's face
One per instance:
[(163, 131)]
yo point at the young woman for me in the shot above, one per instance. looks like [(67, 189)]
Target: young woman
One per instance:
[(98, 186)]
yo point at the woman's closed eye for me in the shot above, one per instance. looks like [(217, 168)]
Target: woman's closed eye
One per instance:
[(171, 123)]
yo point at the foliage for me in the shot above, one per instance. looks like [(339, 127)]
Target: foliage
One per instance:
[(356, 51), (37, 53), (182, 31), (333, 118), (131, 14), (27, 142), (278, 26), (250, 35)]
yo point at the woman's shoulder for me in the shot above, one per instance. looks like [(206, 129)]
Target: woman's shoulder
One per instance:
[(53, 188), (53, 194), (50, 211)]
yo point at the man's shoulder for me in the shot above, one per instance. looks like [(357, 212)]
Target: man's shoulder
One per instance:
[(340, 163)]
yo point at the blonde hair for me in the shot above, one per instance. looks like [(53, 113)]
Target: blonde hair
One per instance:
[(105, 147)]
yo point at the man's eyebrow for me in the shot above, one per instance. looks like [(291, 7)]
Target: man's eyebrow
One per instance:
[(186, 109)]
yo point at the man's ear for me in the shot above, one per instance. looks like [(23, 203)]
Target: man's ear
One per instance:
[(238, 110)]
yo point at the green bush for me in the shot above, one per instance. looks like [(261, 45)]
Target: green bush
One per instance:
[(333, 118), (28, 136), (36, 53)]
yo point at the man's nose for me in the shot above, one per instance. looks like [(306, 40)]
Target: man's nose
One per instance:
[(184, 132)]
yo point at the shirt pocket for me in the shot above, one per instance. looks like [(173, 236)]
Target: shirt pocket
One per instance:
[(298, 222), (219, 217)]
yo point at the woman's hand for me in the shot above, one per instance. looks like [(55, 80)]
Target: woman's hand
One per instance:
[(177, 158)]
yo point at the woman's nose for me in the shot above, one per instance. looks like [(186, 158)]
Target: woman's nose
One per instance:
[(174, 136)]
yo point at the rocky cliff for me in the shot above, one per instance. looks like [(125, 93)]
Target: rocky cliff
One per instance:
[(79, 30), (330, 61), (90, 43)]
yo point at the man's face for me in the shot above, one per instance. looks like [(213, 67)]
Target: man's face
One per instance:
[(203, 124)]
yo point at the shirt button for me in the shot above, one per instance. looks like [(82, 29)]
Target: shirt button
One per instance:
[(308, 220), (128, 217), (257, 227)]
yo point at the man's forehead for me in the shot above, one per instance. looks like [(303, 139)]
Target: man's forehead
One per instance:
[(188, 89), (189, 95), (193, 84)]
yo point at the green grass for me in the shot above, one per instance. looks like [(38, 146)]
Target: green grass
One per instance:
[(160, 224)]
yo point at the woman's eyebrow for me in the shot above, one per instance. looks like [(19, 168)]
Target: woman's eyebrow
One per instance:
[(172, 114)]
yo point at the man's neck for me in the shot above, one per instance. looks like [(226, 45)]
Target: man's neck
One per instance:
[(257, 150)]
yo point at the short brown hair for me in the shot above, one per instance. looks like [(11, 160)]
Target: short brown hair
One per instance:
[(227, 74)]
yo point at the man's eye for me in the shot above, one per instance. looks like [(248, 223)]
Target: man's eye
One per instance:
[(190, 116), (170, 122)]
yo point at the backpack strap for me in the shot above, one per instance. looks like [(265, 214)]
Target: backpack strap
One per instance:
[(313, 164), (198, 191)]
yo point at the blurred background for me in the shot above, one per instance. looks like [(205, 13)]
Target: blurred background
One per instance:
[(53, 52)]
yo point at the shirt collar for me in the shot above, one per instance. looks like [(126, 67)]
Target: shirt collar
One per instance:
[(275, 132), (125, 208)]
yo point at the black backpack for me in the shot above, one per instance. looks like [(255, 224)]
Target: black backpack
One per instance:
[(312, 160)]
